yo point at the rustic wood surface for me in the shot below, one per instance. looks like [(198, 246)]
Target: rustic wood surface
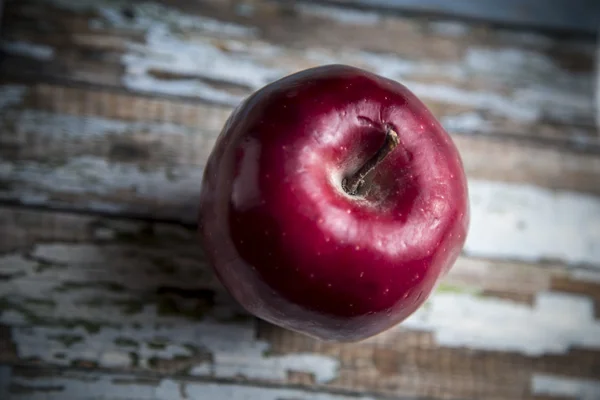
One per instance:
[(108, 110)]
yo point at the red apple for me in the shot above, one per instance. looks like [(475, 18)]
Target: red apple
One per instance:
[(332, 203)]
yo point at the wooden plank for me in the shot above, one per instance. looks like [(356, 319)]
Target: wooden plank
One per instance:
[(476, 79), (121, 295), (48, 384), (555, 386), (97, 102), (59, 149), (86, 291), (67, 122), (578, 16)]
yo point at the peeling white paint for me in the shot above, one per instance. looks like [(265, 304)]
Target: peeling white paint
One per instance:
[(78, 287), (524, 67), (466, 122), (26, 49), (527, 104), (147, 14), (88, 386), (568, 94), (586, 275), (11, 95), (115, 359), (339, 14), (234, 350), (553, 325), (520, 84), (558, 386), (52, 124), (207, 122), (508, 221), (510, 107), (177, 186), (166, 52), (562, 105), (391, 65), (323, 368), (530, 223)]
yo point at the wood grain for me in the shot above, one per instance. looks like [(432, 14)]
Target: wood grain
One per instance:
[(95, 150), (65, 384), (578, 16), (52, 124), (475, 78), (108, 111), (85, 291)]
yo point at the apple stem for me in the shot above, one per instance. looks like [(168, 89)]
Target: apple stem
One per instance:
[(353, 184)]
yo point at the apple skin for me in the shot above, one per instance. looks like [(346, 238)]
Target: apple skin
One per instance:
[(291, 245)]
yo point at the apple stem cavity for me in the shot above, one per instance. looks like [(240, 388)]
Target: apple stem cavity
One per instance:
[(353, 184)]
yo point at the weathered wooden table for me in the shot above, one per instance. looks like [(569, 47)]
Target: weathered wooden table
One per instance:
[(108, 110)]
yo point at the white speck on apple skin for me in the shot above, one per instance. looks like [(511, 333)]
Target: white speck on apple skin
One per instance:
[(357, 247), (362, 274), (312, 275), (386, 291)]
